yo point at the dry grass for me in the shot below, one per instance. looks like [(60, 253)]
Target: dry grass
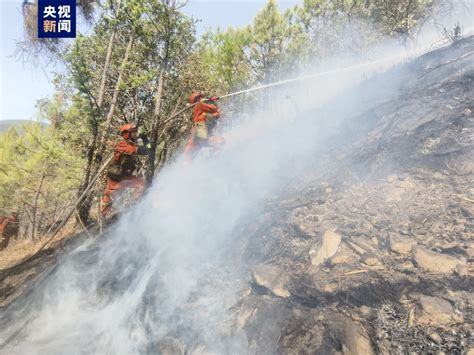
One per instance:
[(19, 250)]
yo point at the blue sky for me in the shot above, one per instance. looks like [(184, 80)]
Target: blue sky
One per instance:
[(22, 84)]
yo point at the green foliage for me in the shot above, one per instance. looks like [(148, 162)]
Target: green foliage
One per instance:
[(162, 37), (39, 173), (224, 58), (270, 37)]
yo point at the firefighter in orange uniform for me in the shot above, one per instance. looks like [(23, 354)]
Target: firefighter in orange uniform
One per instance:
[(120, 171), (205, 115), (9, 228)]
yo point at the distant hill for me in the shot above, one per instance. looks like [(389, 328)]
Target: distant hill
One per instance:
[(7, 124)]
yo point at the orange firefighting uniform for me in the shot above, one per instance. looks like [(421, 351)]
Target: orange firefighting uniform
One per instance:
[(8, 228), (199, 136), (129, 150)]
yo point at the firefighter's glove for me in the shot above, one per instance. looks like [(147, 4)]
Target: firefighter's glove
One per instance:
[(143, 141), (141, 132), (211, 99)]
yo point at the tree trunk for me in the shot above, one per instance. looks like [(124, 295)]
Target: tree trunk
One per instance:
[(34, 211), (103, 80), (113, 104), (151, 167), (84, 209)]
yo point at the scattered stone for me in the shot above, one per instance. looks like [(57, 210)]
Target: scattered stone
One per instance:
[(273, 278), (435, 262), (462, 270), (435, 337), (467, 112), (355, 339), (367, 312), (401, 245), (305, 229), (330, 242), (435, 311), (343, 257), (450, 245), (361, 246), (243, 317), (370, 259), (408, 265), (357, 248)]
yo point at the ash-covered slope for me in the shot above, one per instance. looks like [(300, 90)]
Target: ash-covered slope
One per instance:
[(373, 253), (343, 229)]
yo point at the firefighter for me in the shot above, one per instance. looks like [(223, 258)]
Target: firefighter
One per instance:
[(9, 228), (205, 116), (120, 171)]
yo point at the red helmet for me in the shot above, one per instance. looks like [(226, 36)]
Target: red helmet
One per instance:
[(195, 96), (127, 128)]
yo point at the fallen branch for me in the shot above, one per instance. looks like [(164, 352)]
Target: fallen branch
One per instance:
[(82, 224), (451, 61), (354, 272)]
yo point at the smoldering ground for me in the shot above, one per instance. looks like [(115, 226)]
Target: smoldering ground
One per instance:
[(173, 267)]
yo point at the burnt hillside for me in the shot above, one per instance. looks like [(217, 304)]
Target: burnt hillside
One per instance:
[(367, 246), (373, 253)]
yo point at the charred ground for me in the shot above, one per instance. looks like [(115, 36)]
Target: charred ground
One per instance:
[(391, 219)]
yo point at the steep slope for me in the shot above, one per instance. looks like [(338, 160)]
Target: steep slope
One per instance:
[(342, 229), (396, 276)]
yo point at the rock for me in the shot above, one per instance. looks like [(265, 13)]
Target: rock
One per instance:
[(467, 112), (407, 265), (271, 277), (435, 337), (355, 339), (370, 259), (243, 317), (361, 246), (330, 242), (462, 270), (306, 229), (435, 262), (343, 257), (435, 311), (368, 312), (450, 245), (400, 245)]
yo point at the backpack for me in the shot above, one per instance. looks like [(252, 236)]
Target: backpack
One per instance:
[(124, 166)]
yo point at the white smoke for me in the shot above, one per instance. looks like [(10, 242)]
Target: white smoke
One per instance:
[(171, 266)]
